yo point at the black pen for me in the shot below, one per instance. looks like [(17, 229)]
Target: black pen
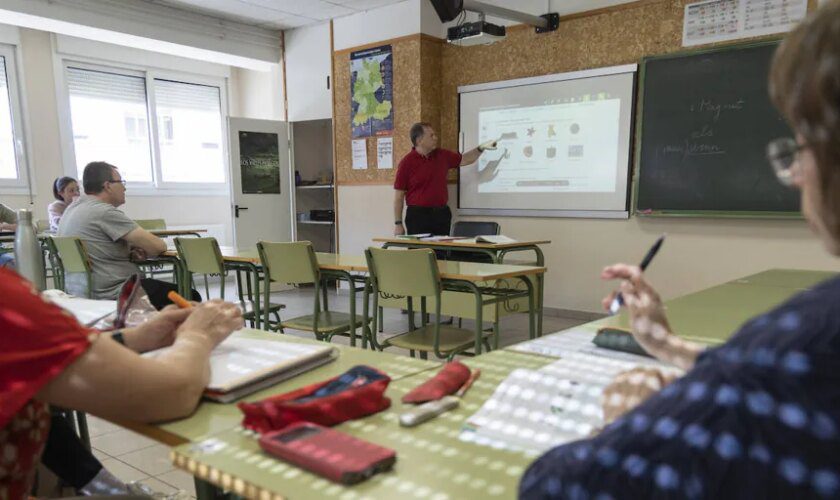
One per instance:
[(618, 301)]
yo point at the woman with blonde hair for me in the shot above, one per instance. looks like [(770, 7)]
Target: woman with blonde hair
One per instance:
[(758, 417)]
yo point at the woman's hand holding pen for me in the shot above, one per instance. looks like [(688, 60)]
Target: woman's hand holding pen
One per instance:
[(648, 320)]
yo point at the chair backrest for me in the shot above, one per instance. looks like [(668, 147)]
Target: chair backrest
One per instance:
[(72, 253), (289, 262), (151, 224), (42, 225), (471, 228), (406, 273), (200, 255)]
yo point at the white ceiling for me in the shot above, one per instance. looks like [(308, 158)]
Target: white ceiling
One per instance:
[(286, 14), (277, 14)]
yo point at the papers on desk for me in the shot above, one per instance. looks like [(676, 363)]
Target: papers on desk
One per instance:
[(413, 236), (577, 340), (535, 410), (443, 238), (88, 312), (240, 366), (494, 239)]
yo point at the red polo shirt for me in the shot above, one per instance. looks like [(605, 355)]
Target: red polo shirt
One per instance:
[(423, 178)]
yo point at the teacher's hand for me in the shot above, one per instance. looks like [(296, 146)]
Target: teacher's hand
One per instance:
[(399, 229)]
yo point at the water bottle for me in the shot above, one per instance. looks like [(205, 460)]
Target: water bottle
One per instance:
[(28, 257)]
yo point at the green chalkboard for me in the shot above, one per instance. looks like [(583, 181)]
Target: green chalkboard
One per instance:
[(706, 118)]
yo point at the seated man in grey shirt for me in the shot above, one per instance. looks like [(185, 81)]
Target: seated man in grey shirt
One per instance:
[(8, 222), (111, 239)]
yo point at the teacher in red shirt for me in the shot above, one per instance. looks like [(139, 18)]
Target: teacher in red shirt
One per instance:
[(421, 182)]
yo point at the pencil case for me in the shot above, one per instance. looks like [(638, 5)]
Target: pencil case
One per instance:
[(618, 340)]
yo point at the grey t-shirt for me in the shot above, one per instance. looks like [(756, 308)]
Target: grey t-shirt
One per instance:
[(101, 226)]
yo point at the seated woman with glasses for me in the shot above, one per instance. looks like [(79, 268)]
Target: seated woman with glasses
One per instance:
[(758, 417)]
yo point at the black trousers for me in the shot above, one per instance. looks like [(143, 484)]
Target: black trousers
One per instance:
[(157, 291), (434, 220), (66, 456)]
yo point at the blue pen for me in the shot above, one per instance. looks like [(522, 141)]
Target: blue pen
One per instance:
[(618, 301)]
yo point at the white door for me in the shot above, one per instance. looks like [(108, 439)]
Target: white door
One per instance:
[(262, 196)]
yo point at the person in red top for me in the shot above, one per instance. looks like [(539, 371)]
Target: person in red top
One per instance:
[(421, 182), (47, 357)]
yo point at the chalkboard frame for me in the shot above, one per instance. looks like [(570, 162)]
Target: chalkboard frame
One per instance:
[(637, 153)]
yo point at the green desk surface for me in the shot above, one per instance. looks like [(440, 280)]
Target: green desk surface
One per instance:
[(431, 463), (712, 316), (786, 278), (213, 417)]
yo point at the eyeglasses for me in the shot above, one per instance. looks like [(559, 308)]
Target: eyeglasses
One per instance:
[(121, 181), (782, 156)]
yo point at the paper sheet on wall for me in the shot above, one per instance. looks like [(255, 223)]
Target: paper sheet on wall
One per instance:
[(385, 153), (359, 154), (719, 20)]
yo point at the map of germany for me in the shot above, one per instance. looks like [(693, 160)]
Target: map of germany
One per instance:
[(371, 90)]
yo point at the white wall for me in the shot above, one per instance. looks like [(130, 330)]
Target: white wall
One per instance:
[(392, 21), (257, 94)]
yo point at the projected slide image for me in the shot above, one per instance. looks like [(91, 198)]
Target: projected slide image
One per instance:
[(568, 147)]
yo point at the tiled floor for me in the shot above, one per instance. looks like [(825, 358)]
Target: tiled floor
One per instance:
[(132, 457)]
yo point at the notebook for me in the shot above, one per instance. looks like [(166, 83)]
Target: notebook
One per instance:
[(240, 366)]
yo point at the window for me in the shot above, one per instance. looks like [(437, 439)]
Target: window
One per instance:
[(111, 113), (190, 132), (12, 162), (108, 115)]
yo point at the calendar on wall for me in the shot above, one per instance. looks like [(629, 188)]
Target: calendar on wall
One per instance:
[(720, 20)]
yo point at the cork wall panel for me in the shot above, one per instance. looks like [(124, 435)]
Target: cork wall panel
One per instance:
[(407, 104), (620, 35)]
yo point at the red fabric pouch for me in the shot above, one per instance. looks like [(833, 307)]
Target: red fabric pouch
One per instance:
[(447, 381), (357, 393)]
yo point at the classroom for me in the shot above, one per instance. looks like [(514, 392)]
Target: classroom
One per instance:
[(442, 249)]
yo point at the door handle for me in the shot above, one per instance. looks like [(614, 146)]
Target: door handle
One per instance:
[(237, 208)]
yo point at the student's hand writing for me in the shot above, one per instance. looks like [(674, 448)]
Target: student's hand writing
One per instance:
[(215, 319), (648, 320), (630, 388), (158, 332)]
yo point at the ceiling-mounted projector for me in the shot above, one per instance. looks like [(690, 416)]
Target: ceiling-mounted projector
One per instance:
[(477, 33), (482, 32)]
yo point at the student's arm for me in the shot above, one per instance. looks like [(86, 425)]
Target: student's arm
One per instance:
[(8, 218), (146, 241), (399, 200), (113, 382)]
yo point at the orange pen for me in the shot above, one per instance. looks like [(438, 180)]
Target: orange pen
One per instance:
[(176, 298)]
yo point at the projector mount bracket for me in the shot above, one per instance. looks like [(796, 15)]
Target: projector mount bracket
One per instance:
[(543, 24)]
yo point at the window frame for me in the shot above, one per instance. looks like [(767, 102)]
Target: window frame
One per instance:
[(21, 184), (158, 187)]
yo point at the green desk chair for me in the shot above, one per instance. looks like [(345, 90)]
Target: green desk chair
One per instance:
[(71, 257), (412, 274), (151, 224), (203, 256), (295, 263)]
